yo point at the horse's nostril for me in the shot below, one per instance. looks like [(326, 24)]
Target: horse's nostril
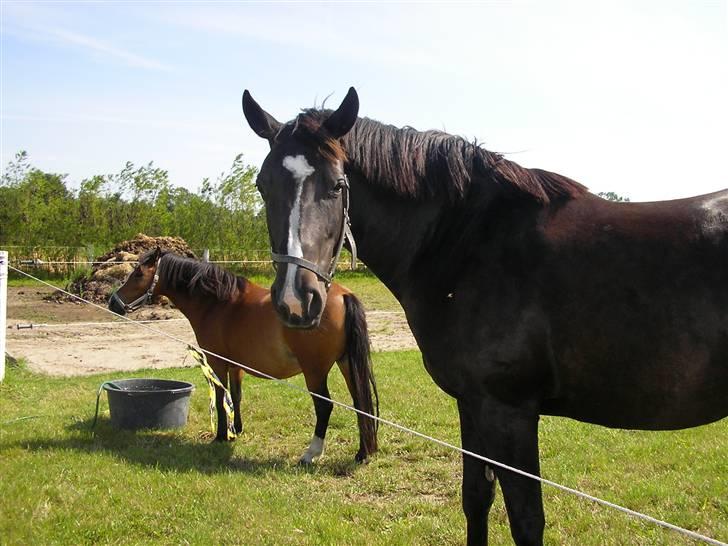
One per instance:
[(311, 303), (282, 309)]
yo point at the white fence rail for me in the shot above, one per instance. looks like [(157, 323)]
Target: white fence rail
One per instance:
[(3, 308)]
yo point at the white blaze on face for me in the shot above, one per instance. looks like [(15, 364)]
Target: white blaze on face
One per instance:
[(300, 169)]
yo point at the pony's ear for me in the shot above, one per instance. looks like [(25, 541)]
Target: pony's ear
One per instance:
[(157, 252), (342, 120), (260, 121)]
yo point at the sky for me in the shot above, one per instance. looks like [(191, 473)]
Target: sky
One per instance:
[(627, 96)]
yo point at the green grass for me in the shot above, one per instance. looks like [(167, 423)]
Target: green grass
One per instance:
[(21, 282), (62, 484)]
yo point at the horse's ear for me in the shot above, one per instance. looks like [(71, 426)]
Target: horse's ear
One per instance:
[(342, 120), (260, 121), (157, 252)]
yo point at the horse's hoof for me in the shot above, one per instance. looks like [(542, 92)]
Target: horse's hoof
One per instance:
[(361, 458), (305, 462)]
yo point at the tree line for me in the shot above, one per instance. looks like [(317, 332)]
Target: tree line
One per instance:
[(38, 208)]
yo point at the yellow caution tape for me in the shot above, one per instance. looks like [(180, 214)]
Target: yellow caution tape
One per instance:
[(212, 381)]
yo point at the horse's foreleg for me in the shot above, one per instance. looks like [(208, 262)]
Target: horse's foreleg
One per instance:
[(478, 479), (236, 393), (510, 436), (323, 410)]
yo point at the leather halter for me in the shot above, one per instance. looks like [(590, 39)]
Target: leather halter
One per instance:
[(344, 233), (144, 298)]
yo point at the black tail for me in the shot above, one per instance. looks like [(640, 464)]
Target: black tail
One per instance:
[(365, 393)]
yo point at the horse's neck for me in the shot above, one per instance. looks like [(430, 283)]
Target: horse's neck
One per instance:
[(390, 232), (192, 307)]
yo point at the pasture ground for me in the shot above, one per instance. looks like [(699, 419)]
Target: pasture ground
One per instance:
[(63, 484)]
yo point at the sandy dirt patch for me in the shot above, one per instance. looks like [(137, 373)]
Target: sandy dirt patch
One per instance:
[(76, 339)]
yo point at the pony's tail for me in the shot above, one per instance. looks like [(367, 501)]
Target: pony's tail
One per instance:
[(365, 393)]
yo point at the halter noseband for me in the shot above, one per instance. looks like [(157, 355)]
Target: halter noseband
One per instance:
[(144, 298), (344, 233)]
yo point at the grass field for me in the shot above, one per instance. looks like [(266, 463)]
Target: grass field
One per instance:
[(62, 484)]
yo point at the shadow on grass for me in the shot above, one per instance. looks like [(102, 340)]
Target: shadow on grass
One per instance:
[(171, 451)]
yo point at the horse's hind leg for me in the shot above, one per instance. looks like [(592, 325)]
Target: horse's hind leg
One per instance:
[(323, 408), (236, 393)]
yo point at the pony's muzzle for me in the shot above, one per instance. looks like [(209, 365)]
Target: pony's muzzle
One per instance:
[(116, 305)]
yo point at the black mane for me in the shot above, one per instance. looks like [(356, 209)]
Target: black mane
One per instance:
[(426, 164), (194, 277)]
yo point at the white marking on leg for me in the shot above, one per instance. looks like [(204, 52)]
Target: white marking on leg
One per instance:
[(300, 169), (315, 450)]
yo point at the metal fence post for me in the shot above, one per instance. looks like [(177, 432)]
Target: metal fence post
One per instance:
[(3, 308)]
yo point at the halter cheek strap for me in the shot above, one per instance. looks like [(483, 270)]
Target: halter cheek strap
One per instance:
[(144, 298), (344, 234)]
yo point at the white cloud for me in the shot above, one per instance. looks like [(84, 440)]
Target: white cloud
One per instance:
[(109, 50)]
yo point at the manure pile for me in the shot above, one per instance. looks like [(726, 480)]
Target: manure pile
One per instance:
[(115, 265)]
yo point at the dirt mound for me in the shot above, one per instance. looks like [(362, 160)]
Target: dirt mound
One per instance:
[(114, 266)]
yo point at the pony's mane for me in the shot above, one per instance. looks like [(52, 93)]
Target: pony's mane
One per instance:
[(193, 277), (425, 164)]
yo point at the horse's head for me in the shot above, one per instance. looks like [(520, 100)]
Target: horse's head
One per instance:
[(306, 194), (139, 287)]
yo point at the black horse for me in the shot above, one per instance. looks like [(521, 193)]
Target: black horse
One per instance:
[(527, 294)]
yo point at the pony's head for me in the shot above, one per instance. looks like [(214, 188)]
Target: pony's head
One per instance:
[(139, 287), (305, 190)]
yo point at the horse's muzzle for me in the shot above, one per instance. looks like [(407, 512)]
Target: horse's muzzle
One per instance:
[(298, 297), (116, 305)]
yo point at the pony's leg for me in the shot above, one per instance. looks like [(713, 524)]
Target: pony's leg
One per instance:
[(221, 435), (323, 410), (236, 393), (478, 478), (221, 371), (345, 368), (510, 436)]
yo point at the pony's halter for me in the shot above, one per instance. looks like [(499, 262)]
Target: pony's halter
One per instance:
[(144, 298), (344, 233)]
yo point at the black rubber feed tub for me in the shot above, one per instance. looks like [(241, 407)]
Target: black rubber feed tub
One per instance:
[(148, 403)]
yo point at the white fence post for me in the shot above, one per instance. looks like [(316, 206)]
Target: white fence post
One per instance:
[(3, 308)]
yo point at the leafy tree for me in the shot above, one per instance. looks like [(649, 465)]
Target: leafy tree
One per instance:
[(611, 196), (38, 208)]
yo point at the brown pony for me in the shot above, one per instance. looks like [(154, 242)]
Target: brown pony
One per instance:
[(235, 318)]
